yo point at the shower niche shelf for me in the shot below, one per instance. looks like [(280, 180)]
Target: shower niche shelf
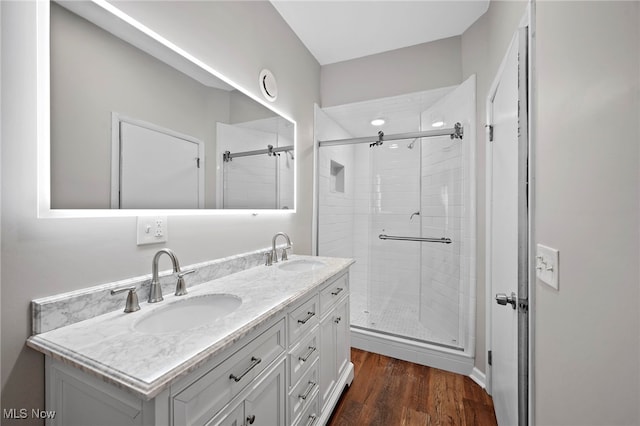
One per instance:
[(337, 177)]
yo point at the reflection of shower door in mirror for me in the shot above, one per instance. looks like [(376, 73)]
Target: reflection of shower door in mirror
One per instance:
[(256, 168), (250, 182), (156, 168)]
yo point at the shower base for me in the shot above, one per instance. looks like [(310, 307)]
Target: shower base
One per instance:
[(399, 319)]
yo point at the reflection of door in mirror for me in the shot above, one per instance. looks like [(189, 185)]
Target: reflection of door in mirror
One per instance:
[(155, 168)]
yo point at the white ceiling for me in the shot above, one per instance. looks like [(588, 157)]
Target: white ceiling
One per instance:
[(336, 31)]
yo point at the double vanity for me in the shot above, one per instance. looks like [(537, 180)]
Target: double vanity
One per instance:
[(249, 344)]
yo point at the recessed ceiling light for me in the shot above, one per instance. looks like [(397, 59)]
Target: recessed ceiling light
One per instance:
[(437, 124), (377, 122)]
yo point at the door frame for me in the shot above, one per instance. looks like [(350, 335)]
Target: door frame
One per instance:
[(116, 119), (526, 346)]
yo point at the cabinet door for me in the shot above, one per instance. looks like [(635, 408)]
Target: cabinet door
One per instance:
[(264, 406), (328, 371), (342, 336), (234, 418)]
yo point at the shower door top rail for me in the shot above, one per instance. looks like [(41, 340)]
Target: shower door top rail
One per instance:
[(456, 132), (442, 240)]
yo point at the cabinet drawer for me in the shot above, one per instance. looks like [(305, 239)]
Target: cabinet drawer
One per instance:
[(303, 319), (303, 393), (333, 292), (310, 415), (199, 402), (303, 355)]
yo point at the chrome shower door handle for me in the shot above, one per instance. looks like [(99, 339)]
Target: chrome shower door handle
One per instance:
[(503, 299)]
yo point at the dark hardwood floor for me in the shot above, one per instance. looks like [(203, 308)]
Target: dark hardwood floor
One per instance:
[(389, 392)]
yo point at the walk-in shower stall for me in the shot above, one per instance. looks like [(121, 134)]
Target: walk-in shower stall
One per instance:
[(400, 199)]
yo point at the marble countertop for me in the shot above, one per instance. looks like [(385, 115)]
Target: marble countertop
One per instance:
[(109, 347)]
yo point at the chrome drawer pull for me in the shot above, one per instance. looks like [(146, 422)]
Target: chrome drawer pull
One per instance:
[(338, 290), (309, 316), (254, 361), (312, 420), (307, 355), (308, 391)]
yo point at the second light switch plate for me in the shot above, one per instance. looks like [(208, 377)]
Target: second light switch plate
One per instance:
[(548, 265)]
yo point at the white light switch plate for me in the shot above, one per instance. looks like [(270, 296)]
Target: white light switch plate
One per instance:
[(152, 230), (547, 265)]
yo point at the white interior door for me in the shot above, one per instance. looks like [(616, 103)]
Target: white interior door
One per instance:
[(158, 169), (507, 232)]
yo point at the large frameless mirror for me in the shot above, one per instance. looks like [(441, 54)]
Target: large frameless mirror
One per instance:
[(137, 124)]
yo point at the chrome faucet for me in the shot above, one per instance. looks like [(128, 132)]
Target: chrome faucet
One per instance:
[(155, 291), (274, 254)]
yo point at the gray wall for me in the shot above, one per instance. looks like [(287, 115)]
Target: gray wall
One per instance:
[(411, 69), (42, 257), (587, 335)]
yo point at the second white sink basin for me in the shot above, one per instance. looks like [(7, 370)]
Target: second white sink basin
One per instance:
[(188, 313), (301, 265)]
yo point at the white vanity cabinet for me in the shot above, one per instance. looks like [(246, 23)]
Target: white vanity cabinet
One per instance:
[(288, 370), (334, 338)]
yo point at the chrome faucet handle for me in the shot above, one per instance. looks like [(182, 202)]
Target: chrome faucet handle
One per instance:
[(183, 273), (132, 304), (284, 254), (181, 286), (269, 256)]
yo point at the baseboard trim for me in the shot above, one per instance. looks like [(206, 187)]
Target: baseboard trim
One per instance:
[(419, 353), (479, 377)]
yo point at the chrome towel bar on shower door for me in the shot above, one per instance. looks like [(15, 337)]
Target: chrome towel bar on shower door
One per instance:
[(424, 240)]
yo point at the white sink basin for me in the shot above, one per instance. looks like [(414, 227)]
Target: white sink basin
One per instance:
[(188, 313), (301, 265)]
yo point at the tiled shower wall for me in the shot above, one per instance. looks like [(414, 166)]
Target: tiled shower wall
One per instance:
[(336, 192), (344, 216), (448, 270)]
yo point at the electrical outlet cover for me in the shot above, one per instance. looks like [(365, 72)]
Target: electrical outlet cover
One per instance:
[(152, 230)]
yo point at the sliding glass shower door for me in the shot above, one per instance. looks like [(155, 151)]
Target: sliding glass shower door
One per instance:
[(410, 282), (404, 209), (394, 266)]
